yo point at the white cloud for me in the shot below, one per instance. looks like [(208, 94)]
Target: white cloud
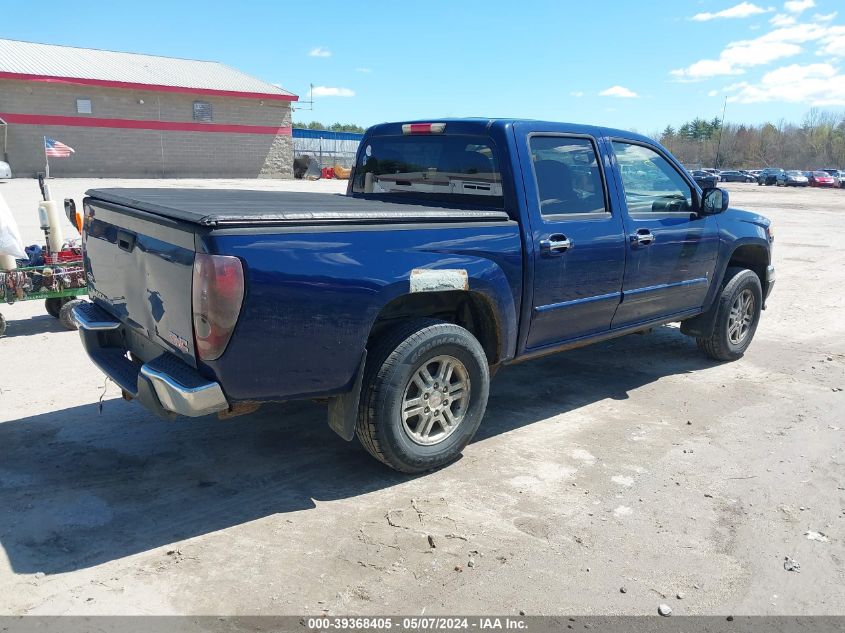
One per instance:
[(619, 91), (741, 10), (363, 70), (781, 19), (576, 93), (319, 51), (779, 43), (810, 84), (798, 6), (326, 91), (706, 68), (825, 17), (756, 53), (834, 45)]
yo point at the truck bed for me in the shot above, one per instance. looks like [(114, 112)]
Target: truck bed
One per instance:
[(239, 207)]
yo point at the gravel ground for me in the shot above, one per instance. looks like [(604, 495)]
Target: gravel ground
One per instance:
[(635, 464)]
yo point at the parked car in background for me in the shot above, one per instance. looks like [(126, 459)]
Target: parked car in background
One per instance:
[(733, 175), (792, 178), (5, 170), (838, 177), (769, 176), (399, 301), (821, 179), (753, 172), (705, 179)]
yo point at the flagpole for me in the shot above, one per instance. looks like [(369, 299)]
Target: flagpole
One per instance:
[(47, 160)]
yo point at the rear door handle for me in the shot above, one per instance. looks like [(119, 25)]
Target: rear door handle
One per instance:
[(643, 237), (557, 243)]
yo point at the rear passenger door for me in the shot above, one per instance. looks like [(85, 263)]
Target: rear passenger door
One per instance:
[(671, 249), (578, 241)]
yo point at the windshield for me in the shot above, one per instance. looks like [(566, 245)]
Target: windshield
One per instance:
[(447, 168)]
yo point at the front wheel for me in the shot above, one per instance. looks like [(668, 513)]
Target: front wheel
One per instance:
[(425, 391), (737, 316)]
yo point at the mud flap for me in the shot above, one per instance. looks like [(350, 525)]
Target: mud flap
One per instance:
[(701, 326), (343, 409)]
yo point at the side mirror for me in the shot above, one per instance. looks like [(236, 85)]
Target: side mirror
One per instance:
[(714, 200)]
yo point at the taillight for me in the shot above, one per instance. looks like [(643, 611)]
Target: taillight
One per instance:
[(216, 297), (423, 128)]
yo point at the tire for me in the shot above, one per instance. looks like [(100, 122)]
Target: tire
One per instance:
[(54, 305), (393, 384), (729, 341), (66, 314)]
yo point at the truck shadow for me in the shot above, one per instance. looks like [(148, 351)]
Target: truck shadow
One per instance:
[(78, 488), (41, 324)]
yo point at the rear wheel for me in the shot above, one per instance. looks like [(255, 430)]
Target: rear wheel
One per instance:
[(53, 305), (66, 313), (425, 391), (737, 316)]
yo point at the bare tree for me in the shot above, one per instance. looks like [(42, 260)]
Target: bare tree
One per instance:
[(819, 141)]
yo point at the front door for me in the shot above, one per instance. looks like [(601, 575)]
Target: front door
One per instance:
[(579, 242), (672, 250)]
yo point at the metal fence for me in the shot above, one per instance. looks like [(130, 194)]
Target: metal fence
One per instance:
[(326, 147)]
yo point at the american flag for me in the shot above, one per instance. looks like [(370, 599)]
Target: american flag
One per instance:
[(55, 149)]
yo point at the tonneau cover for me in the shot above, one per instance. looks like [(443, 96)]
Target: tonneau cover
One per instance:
[(242, 207)]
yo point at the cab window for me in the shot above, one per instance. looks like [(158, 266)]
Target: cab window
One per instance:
[(567, 174), (460, 169), (651, 183)]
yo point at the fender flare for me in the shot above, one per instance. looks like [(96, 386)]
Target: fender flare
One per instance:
[(491, 284), (702, 325)]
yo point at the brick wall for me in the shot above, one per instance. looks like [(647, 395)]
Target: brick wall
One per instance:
[(130, 153)]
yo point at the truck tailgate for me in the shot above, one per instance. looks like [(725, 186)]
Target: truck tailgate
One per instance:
[(140, 270)]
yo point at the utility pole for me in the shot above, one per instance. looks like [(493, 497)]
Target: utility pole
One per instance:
[(721, 127)]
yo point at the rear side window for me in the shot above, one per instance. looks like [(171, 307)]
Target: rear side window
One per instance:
[(448, 168), (567, 175), (651, 183)]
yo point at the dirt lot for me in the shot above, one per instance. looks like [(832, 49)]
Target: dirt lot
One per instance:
[(636, 463)]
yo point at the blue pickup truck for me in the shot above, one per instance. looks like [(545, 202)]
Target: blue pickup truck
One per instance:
[(461, 246)]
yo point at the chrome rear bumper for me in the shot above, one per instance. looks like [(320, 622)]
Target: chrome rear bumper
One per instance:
[(165, 385)]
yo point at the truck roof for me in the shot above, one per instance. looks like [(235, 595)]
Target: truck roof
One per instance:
[(480, 124), (244, 207)]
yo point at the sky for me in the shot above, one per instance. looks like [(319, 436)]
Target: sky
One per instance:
[(634, 65)]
